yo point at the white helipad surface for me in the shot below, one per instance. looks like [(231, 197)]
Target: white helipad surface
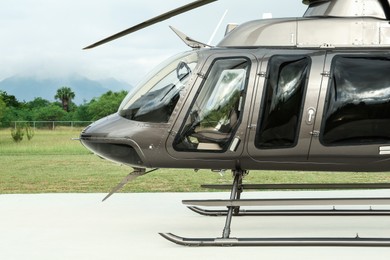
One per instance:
[(126, 226)]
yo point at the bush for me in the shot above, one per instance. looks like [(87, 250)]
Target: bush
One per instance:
[(17, 134), (29, 132)]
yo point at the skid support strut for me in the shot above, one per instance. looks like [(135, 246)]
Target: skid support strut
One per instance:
[(234, 195)]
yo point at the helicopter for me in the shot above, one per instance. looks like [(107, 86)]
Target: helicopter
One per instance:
[(305, 94)]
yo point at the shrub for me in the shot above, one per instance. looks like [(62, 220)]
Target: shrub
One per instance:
[(17, 134), (29, 132)]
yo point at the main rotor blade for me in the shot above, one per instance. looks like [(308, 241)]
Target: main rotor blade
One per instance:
[(152, 21)]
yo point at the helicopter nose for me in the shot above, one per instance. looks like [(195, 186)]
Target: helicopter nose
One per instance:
[(109, 139)]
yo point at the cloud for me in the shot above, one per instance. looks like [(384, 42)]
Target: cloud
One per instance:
[(46, 37)]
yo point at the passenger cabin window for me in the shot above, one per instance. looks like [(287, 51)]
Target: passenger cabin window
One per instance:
[(357, 109), (279, 121), (216, 111)]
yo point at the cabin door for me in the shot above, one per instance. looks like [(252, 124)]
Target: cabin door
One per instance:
[(210, 124), (284, 108), (352, 127)]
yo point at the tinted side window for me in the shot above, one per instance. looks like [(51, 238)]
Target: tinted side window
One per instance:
[(283, 101), (357, 110)]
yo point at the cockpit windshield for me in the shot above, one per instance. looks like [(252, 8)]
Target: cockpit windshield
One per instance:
[(155, 98)]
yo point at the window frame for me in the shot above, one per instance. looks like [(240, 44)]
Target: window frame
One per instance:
[(330, 90), (178, 136), (264, 100)]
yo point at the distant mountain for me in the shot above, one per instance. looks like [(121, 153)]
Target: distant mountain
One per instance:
[(26, 88)]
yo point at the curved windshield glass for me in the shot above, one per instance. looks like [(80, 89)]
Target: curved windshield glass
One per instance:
[(155, 98)]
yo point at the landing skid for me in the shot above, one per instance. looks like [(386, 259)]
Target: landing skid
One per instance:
[(235, 203), (352, 242), (297, 212)]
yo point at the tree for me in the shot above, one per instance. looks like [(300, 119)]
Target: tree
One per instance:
[(38, 102), (51, 112), (65, 95), (11, 111), (82, 114), (106, 104), (10, 100), (2, 108)]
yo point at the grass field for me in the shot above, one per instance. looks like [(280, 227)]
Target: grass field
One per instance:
[(53, 162)]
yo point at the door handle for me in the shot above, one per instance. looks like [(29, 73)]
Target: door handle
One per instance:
[(311, 114)]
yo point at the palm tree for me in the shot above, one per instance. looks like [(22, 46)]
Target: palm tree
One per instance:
[(65, 95)]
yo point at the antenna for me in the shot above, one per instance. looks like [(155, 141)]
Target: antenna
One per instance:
[(216, 28)]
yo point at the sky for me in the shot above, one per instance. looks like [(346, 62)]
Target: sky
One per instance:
[(44, 38)]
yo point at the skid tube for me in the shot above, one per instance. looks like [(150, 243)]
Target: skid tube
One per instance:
[(234, 209), (295, 241), (297, 212)]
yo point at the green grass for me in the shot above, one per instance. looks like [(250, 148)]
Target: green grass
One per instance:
[(53, 162), (44, 142)]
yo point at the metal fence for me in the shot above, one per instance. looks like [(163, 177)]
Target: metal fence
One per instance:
[(51, 124)]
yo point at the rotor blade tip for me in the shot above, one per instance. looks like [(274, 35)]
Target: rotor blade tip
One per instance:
[(88, 47)]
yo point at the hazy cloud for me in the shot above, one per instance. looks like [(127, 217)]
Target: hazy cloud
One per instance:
[(46, 37)]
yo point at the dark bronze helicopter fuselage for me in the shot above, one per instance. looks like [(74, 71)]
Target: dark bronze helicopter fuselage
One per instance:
[(310, 93)]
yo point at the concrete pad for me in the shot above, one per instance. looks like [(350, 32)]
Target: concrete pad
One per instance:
[(126, 226)]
